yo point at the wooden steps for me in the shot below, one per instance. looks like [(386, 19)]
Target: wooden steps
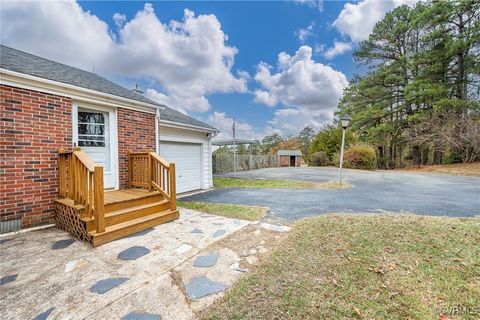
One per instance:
[(130, 211), (124, 229)]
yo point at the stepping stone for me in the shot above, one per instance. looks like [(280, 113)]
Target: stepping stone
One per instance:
[(196, 230), (8, 279), (184, 247), (5, 240), (141, 316), (275, 227), (206, 261), (62, 244), (218, 223), (44, 315), (200, 287), (218, 233), (237, 221), (251, 259), (133, 253), (140, 233), (106, 285)]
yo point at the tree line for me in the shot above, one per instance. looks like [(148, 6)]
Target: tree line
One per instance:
[(418, 103), (417, 99)]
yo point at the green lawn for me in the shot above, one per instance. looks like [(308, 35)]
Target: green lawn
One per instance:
[(221, 182), (227, 210), (363, 267)]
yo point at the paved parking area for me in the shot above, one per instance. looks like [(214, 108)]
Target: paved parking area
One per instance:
[(376, 191)]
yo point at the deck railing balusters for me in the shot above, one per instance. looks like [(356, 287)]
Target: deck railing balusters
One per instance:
[(81, 180)]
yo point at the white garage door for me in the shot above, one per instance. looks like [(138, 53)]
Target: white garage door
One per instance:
[(188, 163)]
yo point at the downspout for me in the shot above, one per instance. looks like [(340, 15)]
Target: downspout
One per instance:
[(210, 152), (157, 130)]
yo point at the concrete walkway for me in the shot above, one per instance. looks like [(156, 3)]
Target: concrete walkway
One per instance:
[(373, 191), (167, 272)]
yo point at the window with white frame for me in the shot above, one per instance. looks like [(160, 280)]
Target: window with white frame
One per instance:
[(91, 129)]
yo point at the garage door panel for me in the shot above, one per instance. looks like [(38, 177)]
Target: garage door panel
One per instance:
[(188, 164)]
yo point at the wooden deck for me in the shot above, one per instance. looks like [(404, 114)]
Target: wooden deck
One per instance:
[(98, 216), (116, 196)]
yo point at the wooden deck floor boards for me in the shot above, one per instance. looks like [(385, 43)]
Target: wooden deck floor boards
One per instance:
[(125, 195)]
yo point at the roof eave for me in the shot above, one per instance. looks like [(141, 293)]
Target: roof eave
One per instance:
[(187, 126), (26, 81)]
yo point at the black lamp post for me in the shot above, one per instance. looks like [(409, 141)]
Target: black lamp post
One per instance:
[(344, 121)]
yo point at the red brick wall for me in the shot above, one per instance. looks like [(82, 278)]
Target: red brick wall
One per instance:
[(285, 161), (136, 132), (33, 126)]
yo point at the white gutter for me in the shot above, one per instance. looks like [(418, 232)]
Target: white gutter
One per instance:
[(187, 126), (157, 131)]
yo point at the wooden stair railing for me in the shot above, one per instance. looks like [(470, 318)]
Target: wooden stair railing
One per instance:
[(81, 180), (148, 170)]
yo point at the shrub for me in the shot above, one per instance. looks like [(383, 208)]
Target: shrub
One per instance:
[(320, 158), (360, 156)]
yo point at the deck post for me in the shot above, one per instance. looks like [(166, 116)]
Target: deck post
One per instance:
[(99, 200), (130, 168), (173, 189), (149, 172), (62, 173)]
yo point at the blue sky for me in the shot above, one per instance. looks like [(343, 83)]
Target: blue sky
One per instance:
[(275, 66)]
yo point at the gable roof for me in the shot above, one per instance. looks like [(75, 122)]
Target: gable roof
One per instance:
[(289, 153), (29, 64)]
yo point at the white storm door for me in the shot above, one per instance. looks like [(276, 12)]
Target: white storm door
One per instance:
[(93, 136)]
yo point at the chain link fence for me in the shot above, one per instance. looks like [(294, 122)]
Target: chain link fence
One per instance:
[(224, 162)]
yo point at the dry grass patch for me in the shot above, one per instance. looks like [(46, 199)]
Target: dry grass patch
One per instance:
[(368, 267), (461, 169), (235, 211), (220, 182)]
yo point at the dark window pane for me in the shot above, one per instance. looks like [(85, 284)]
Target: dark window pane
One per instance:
[(91, 117), (95, 129)]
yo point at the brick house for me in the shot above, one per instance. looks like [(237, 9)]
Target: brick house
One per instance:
[(290, 158), (47, 105)]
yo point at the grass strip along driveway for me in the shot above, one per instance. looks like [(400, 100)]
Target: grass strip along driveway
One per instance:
[(382, 267), (235, 211), (221, 182)]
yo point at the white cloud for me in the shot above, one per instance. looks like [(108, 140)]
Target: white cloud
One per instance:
[(304, 33), (60, 31), (308, 90), (293, 120), (356, 20), (317, 4), (119, 19), (243, 129), (338, 48), (189, 59)]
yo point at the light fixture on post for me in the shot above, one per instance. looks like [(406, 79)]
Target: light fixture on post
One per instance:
[(344, 121)]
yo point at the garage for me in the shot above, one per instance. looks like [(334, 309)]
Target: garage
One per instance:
[(188, 163)]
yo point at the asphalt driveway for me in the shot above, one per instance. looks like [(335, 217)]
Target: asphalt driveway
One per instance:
[(424, 194)]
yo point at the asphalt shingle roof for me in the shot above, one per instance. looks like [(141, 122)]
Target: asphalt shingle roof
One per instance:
[(26, 63), (289, 153)]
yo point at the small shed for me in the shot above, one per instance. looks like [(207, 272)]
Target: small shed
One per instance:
[(290, 158)]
